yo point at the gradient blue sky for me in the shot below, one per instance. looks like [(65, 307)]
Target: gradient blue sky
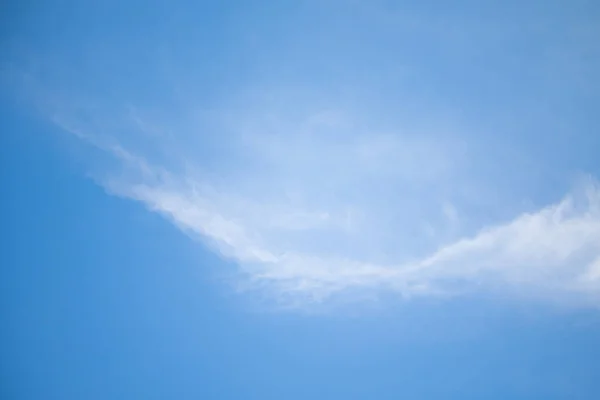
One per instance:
[(300, 200)]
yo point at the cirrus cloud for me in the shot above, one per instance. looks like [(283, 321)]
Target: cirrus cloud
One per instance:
[(321, 206)]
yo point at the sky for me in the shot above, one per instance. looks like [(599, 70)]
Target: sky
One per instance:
[(300, 199)]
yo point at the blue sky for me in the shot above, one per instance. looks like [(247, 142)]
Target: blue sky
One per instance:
[(300, 199)]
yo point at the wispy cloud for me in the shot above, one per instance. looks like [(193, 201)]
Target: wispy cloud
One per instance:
[(316, 206)]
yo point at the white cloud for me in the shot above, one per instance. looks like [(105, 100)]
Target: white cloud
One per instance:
[(308, 211), (323, 201)]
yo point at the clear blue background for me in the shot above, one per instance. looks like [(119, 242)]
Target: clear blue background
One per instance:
[(100, 299)]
